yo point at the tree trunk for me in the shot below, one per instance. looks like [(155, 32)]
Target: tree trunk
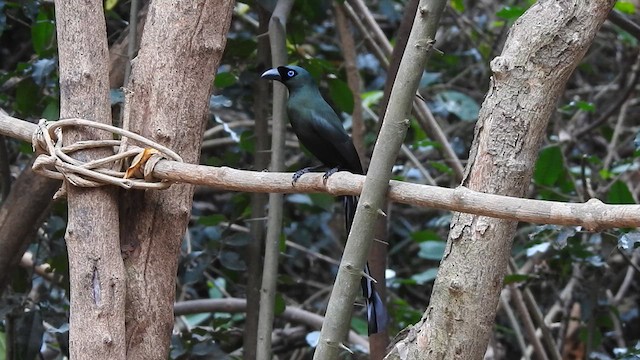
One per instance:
[(167, 101), (20, 216), (542, 50), (96, 269)]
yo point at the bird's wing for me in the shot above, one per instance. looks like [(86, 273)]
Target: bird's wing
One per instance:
[(327, 127)]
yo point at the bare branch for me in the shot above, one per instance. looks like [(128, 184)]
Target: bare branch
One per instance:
[(592, 215)]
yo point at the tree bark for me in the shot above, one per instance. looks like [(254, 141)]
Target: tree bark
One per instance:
[(376, 184), (95, 266), (167, 101), (542, 50), (20, 216)]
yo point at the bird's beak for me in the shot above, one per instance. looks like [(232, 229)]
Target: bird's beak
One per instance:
[(271, 74)]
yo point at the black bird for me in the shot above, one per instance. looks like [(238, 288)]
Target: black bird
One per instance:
[(320, 130)]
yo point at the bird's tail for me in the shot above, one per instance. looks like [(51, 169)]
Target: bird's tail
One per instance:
[(377, 317)]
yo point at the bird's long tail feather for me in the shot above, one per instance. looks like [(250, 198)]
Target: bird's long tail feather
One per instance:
[(377, 316)]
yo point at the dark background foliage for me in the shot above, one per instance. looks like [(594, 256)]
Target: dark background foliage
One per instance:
[(591, 151)]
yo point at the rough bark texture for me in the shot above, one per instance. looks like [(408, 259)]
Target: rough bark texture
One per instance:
[(542, 50), (20, 217), (95, 265), (167, 101)]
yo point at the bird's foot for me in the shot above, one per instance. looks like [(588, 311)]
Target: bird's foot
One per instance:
[(298, 174), (326, 175)]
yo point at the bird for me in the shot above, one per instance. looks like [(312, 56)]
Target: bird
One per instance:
[(320, 130)]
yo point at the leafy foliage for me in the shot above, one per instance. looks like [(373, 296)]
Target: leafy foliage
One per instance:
[(574, 165)]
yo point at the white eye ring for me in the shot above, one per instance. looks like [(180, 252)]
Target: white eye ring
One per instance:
[(291, 73)]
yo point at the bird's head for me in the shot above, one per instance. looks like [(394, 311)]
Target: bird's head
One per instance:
[(293, 77)]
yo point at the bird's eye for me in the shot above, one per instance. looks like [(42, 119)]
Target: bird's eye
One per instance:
[(291, 73)]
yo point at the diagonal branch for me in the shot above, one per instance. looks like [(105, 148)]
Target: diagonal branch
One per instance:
[(390, 139)]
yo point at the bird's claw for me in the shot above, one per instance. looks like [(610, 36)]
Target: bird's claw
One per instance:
[(298, 174), (326, 175)]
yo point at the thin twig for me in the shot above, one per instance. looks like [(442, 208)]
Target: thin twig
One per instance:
[(277, 39), (625, 23), (515, 326), (613, 143), (525, 317), (633, 80), (628, 279), (424, 116)]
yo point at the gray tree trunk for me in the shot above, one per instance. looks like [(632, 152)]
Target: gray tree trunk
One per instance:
[(96, 270), (167, 101), (543, 48)]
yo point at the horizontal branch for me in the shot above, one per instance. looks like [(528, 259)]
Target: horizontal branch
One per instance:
[(592, 215), (235, 305)]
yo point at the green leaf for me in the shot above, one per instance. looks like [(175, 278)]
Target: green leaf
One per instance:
[(457, 5), (51, 112), (341, 95), (317, 67), (224, 79), (510, 12), (211, 220), (459, 104), (432, 250), (359, 325), (619, 194), (196, 319), (239, 48), (549, 166), (440, 166), (26, 97), (625, 7), (425, 235), (515, 278), (215, 286), (418, 132), (626, 38), (110, 4), (425, 276), (280, 305), (498, 24), (43, 34), (247, 141), (371, 98), (585, 106), (3, 346), (282, 243), (592, 337)]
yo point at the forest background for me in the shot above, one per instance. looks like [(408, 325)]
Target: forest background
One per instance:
[(585, 283)]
